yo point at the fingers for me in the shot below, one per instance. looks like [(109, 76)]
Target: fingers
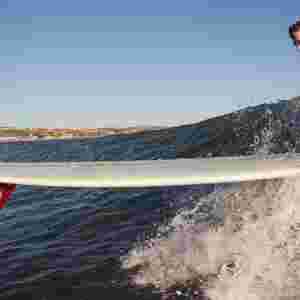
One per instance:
[(7, 186), (6, 189)]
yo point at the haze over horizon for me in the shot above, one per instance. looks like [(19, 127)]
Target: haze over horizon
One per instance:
[(107, 64)]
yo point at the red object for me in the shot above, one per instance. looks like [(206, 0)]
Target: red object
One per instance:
[(6, 189)]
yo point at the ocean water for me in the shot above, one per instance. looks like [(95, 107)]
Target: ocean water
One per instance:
[(194, 242)]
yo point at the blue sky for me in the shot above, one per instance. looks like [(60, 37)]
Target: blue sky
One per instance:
[(98, 63)]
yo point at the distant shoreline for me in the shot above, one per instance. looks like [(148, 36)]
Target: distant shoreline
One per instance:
[(6, 140)]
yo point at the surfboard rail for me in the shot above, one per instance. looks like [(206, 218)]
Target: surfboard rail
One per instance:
[(148, 173)]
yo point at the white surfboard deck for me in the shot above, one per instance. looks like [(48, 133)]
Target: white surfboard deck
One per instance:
[(147, 173)]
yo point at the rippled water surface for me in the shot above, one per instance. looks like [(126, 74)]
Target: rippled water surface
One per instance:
[(62, 243)]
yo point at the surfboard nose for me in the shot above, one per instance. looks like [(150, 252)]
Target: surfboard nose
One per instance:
[(6, 189)]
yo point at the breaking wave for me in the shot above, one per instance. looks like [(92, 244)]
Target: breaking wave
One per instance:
[(252, 254), (239, 241)]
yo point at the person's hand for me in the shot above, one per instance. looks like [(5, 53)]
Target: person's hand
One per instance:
[(6, 189)]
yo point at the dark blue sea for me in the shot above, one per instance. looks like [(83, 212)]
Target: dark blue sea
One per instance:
[(64, 243)]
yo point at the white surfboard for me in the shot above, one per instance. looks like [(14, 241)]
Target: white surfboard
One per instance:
[(147, 173)]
